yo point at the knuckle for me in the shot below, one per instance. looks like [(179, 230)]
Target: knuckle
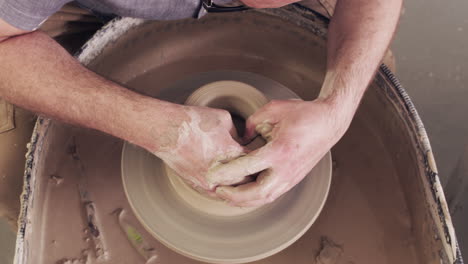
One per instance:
[(226, 117), (223, 114)]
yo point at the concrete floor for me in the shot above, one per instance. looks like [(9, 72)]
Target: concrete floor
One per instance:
[(431, 49)]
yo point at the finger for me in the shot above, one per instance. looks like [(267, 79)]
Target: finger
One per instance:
[(234, 148), (233, 132), (255, 193), (255, 144), (232, 129), (250, 133), (273, 196), (260, 116), (262, 121), (210, 192), (245, 180), (237, 169), (263, 115), (233, 151)]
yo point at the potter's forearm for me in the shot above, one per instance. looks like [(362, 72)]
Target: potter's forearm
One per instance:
[(359, 35), (37, 74)]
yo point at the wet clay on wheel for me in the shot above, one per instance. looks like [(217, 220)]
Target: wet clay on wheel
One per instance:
[(219, 232)]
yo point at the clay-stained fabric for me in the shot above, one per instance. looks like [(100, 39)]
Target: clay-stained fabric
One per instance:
[(30, 14), (324, 7), (15, 133), (6, 116), (72, 26)]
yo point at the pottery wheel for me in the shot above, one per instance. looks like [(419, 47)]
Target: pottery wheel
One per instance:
[(207, 229)]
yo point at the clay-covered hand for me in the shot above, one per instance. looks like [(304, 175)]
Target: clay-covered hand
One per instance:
[(298, 134), (268, 3), (196, 140)]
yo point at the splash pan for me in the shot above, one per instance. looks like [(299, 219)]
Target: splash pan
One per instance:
[(385, 203)]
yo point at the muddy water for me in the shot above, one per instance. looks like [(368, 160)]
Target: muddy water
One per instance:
[(375, 211)]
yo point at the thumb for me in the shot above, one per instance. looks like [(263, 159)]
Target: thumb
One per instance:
[(262, 121), (265, 129), (233, 150), (250, 133)]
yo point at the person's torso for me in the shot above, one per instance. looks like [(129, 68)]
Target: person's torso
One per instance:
[(174, 9), (147, 9)]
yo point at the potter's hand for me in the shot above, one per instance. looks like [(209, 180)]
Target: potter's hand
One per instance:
[(268, 3), (298, 135), (196, 140)]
